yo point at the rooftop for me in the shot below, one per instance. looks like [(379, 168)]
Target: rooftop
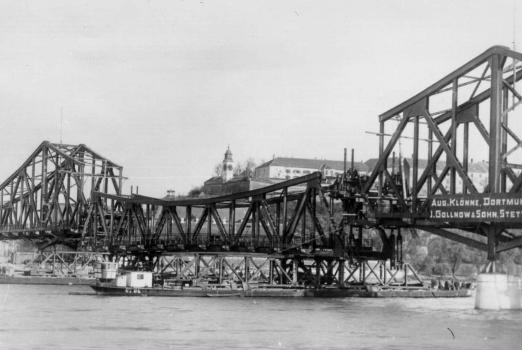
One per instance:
[(312, 163)]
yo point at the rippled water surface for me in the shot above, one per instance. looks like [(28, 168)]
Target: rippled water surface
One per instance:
[(47, 317)]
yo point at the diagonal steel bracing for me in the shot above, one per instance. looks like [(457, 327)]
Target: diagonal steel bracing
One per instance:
[(48, 197)]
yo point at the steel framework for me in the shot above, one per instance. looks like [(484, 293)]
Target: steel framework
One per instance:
[(483, 94), (281, 235), (66, 263), (48, 198), (280, 270), (276, 218), (290, 233)]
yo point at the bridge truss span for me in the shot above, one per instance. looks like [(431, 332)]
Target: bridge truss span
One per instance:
[(458, 102), (473, 110), (273, 218), (47, 199), (303, 230)]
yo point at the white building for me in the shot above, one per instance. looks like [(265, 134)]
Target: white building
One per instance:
[(289, 168)]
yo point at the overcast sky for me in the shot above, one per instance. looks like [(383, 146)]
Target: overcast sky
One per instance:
[(162, 87)]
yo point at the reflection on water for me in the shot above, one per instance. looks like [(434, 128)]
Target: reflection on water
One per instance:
[(47, 317)]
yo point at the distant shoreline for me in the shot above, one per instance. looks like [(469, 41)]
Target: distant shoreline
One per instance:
[(47, 280)]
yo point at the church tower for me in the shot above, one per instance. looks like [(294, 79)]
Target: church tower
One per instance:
[(228, 166)]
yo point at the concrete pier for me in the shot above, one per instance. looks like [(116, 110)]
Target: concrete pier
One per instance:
[(496, 291)]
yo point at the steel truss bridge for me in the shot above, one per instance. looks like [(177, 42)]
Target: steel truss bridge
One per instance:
[(301, 232), (481, 95)]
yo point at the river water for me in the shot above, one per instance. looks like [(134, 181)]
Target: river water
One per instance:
[(48, 317)]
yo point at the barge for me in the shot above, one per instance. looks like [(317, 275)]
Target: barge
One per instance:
[(140, 283), (281, 292)]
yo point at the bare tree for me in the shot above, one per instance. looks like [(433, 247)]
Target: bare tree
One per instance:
[(247, 167), (218, 169)]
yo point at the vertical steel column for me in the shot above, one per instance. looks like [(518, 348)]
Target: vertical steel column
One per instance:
[(285, 213), (22, 199), (54, 260), (232, 221), (430, 156), (170, 235), (120, 181), (454, 104), (129, 227), (271, 271), (399, 246), (93, 177), (105, 179), (80, 178), (111, 230), (465, 155), (67, 197), (147, 223), (278, 219), (492, 243), (12, 196), (247, 269), (503, 138), (43, 200), (415, 164), (32, 194), (188, 214), (384, 274), (196, 265), (381, 151), (494, 124), (256, 222), (294, 271), (314, 212), (393, 244), (303, 222), (209, 224), (220, 266), (362, 271), (56, 193)]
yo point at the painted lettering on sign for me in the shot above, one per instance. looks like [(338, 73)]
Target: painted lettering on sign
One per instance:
[(467, 202), (477, 207)]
